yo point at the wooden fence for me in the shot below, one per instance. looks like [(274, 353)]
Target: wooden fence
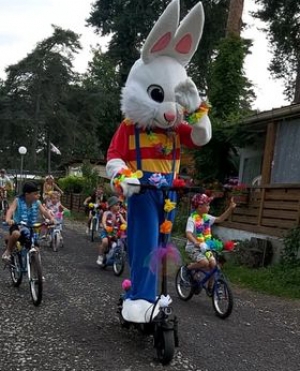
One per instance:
[(271, 210), (73, 201)]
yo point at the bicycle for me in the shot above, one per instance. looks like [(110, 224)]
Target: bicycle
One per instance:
[(116, 256), (163, 324), (53, 236), (96, 212), (220, 293), (26, 260)]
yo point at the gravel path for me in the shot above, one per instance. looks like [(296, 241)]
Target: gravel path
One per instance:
[(76, 327)]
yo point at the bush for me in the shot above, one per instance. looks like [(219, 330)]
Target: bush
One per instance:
[(291, 253), (71, 184)]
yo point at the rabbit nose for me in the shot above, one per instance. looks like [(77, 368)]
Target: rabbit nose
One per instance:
[(169, 116)]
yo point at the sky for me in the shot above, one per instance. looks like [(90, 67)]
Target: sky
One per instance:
[(23, 23)]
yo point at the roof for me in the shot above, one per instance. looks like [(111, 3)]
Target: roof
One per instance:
[(261, 119)]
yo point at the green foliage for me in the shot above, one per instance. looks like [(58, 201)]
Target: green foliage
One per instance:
[(71, 184), (282, 18), (275, 280), (91, 178), (291, 252), (219, 157), (230, 92)]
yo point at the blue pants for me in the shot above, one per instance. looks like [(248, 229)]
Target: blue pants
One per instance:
[(145, 214)]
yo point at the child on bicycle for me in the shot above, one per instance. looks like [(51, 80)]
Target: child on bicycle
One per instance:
[(97, 197), (24, 208), (198, 234), (111, 220), (54, 206), (49, 187)]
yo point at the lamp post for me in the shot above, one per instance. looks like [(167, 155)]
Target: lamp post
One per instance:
[(22, 151)]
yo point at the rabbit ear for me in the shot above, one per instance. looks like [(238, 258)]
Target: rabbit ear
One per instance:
[(159, 40), (188, 35)]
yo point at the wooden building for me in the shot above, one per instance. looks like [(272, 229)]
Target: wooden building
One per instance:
[(273, 205)]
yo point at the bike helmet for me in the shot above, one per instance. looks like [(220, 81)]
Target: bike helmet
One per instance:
[(200, 199)]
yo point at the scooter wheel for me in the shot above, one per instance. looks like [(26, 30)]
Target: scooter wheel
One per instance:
[(165, 346), (123, 322)]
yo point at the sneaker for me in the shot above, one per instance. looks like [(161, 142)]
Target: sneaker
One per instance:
[(185, 274), (6, 257), (100, 260)]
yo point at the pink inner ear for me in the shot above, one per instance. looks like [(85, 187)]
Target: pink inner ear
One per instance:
[(162, 43), (184, 45)]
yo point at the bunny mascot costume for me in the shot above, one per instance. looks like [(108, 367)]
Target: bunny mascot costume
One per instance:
[(157, 97)]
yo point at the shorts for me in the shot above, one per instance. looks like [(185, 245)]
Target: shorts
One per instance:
[(196, 255)]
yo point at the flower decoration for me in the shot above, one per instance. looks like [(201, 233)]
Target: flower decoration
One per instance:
[(166, 227), (158, 180), (179, 183), (123, 174), (239, 189), (169, 205), (194, 117)]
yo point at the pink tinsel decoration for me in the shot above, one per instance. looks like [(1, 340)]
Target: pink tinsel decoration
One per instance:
[(170, 252)]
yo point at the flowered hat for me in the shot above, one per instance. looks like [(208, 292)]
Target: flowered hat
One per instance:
[(200, 199)]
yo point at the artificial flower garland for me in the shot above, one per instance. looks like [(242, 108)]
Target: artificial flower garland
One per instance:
[(202, 225), (194, 117), (125, 174)]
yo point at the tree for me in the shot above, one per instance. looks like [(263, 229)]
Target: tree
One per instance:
[(282, 18), (37, 88), (129, 22)]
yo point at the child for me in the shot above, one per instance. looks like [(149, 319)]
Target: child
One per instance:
[(25, 208), (49, 187), (111, 220), (54, 206), (198, 234), (97, 197)]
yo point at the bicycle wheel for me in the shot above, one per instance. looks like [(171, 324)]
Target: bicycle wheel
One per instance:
[(56, 242), (119, 263), (184, 289), (222, 298), (16, 269), (35, 278), (93, 228), (165, 345)]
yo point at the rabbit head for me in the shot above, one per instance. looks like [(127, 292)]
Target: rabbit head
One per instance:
[(149, 97)]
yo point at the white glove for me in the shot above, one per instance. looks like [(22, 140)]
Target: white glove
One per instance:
[(187, 95), (129, 190)]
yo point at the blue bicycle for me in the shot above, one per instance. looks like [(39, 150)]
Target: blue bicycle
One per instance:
[(26, 260), (221, 294), (116, 256)]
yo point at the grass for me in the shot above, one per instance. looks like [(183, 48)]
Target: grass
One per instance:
[(275, 280)]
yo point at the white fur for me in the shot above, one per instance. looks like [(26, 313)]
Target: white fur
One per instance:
[(166, 52)]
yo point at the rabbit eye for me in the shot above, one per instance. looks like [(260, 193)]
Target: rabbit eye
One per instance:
[(156, 93)]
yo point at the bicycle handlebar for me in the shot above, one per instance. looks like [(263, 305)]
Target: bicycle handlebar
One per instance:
[(184, 189)]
